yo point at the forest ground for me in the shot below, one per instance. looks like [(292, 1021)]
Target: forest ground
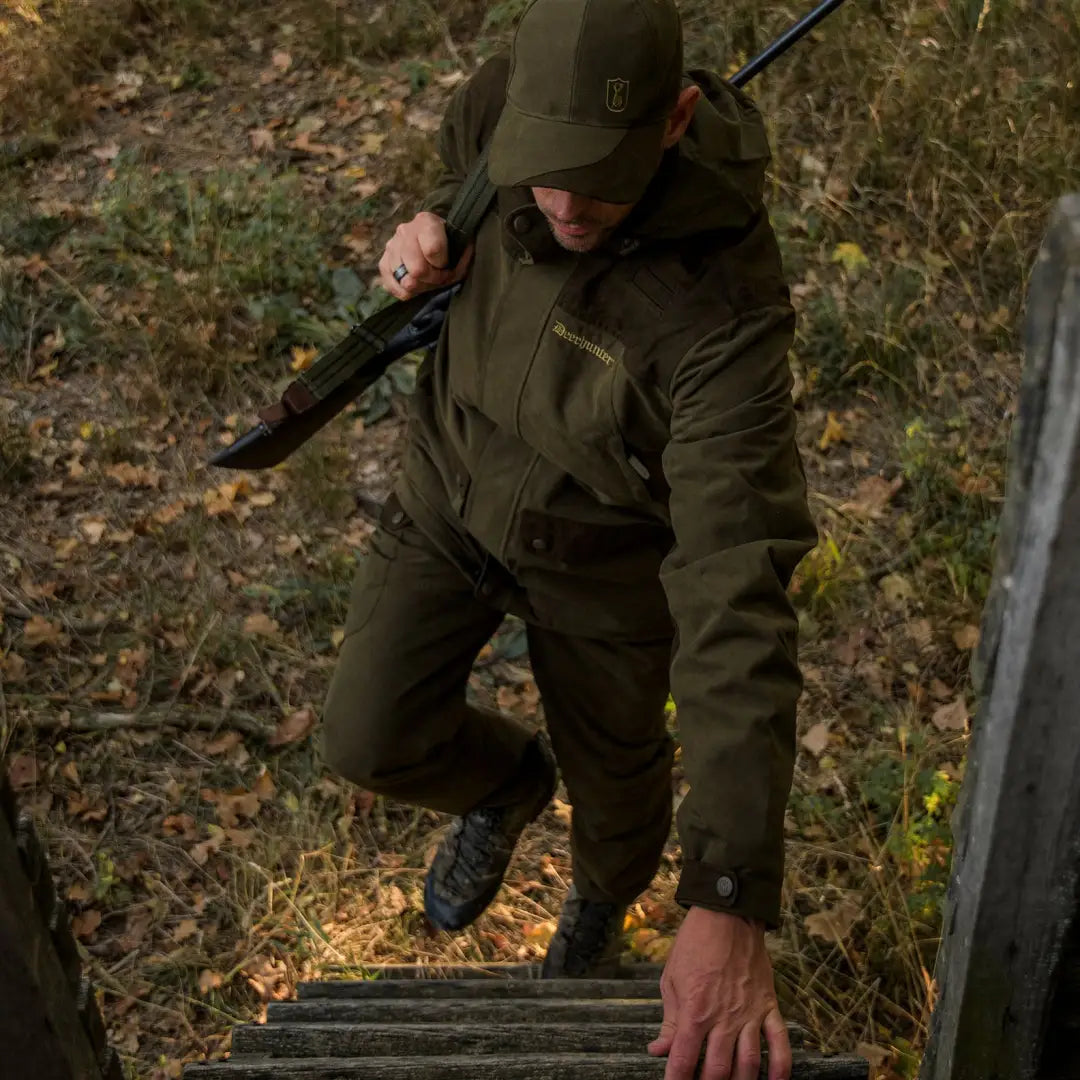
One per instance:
[(193, 199)]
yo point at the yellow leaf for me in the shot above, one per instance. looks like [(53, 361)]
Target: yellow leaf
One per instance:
[(851, 257), (264, 786), (302, 358), (659, 949), (642, 939), (86, 430), (562, 811), (834, 433), (371, 142), (539, 933)]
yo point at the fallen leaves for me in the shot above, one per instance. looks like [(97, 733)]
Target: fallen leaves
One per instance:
[(261, 625), (951, 717), (851, 257), (294, 727), (834, 432), (897, 590), (42, 633), (816, 739), (185, 929), (23, 771), (268, 977), (834, 924), (872, 495), (651, 944), (85, 925), (261, 140), (231, 806), (139, 476)]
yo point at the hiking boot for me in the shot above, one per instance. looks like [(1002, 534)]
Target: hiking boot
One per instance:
[(587, 943), (469, 866)]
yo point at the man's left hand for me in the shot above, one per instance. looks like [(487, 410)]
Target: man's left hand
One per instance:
[(718, 992)]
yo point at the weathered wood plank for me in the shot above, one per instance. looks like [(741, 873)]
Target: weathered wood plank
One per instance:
[(474, 971), (464, 989), (1014, 883), (412, 1040), (496, 1067), (493, 1010), (484, 1010)]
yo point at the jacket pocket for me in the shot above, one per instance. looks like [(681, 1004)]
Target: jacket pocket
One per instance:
[(629, 551)]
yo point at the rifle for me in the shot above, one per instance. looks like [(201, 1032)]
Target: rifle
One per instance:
[(345, 371)]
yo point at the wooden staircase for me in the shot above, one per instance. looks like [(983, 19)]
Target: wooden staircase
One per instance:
[(474, 1023)]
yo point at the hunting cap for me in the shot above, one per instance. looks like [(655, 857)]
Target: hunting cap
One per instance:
[(591, 85)]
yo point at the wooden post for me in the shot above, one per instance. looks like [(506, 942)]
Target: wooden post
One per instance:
[(50, 1027), (1007, 965)]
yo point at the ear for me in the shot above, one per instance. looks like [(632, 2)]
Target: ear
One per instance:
[(680, 117)]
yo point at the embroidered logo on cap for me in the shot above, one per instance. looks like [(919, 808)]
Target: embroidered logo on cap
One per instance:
[(618, 92)]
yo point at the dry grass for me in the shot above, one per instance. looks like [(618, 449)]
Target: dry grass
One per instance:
[(162, 269)]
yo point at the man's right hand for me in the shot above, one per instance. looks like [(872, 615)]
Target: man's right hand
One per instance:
[(420, 245)]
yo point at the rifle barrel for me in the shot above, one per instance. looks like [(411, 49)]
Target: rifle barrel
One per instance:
[(784, 42)]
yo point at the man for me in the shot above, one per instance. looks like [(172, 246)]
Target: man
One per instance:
[(603, 444)]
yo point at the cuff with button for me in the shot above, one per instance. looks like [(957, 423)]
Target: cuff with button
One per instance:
[(738, 891)]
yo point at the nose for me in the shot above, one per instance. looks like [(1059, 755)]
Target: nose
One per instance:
[(565, 205)]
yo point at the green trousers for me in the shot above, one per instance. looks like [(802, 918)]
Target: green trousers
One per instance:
[(397, 722)]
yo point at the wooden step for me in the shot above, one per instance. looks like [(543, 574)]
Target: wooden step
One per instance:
[(489, 1010), (463, 989), (482, 1011), (477, 971), (479, 1026), (414, 1040), (496, 1067)]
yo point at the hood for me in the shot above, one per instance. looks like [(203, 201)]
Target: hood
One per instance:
[(714, 178)]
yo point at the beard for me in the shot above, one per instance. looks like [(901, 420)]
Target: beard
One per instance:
[(580, 244)]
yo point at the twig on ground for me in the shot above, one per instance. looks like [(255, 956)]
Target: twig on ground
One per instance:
[(188, 719)]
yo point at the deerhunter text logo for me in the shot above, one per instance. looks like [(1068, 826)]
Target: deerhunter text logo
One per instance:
[(618, 91), (583, 343)]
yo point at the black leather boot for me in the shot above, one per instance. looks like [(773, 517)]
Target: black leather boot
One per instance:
[(587, 943), (469, 866)]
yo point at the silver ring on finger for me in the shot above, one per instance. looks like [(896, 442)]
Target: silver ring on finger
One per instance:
[(401, 273)]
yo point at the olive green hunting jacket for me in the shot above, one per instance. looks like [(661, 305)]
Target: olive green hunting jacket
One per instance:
[(617, 429)]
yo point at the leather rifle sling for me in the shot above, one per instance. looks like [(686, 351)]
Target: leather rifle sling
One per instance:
[(332, 375)]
